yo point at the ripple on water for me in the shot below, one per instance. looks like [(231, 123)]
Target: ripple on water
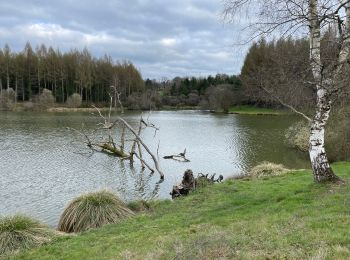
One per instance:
[(43, 167)]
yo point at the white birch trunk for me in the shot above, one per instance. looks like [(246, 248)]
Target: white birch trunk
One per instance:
[(319, 161)]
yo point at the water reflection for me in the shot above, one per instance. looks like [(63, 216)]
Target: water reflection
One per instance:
[(44, 165)]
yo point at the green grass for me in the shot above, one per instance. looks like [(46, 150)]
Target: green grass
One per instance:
[(170, 108), (287, 216), (251, 110)]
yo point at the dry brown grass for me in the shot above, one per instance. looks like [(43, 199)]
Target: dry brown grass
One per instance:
[(267, 169), (93, 210)]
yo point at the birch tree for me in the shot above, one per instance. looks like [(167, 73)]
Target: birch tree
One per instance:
[(288, 17)]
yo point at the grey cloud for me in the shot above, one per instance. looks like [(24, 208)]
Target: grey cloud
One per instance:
[(161, 37)]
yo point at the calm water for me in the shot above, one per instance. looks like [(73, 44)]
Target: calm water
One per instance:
[(44, 165)]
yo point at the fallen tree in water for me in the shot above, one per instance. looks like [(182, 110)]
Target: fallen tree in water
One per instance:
[(110, 146), (190, 183)]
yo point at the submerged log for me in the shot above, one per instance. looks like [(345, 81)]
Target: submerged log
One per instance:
[(189, 183), (111, 149)]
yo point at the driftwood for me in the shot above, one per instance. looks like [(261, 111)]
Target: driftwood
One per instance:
[(138, 138), (181, 157), (189, 183), (109, 146), (112, 149)]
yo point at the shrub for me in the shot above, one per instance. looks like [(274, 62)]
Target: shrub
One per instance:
[(7, 99), (193, 99), (74, 100), (221, 97), (298, 135), (338, 135), (93, 210), (267, 169), (21, 232), (46, 99)]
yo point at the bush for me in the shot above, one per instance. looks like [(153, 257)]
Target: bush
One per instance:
[(93, 210), (7, 99), (46, 99), (144, 101), (221, 97), (21, 232), (338, 136), (193, 99), (74, 100), (298, 135), (267, 169)]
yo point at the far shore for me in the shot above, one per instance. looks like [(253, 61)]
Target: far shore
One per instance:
[(241, 110)]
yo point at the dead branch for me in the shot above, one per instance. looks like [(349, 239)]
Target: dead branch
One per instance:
[(286, 105), (144, 162), (110, 146), (122, 139), (88, 141), (133, 147), (140, 155), (181, 157), (156, 163), (111, 149)]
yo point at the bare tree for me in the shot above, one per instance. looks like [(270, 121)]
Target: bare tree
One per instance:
[(314, 17)]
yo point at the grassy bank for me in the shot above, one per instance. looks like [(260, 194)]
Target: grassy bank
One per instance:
[(276, 217), (252, 110)]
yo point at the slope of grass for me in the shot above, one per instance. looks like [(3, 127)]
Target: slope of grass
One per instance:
[(285, 216)]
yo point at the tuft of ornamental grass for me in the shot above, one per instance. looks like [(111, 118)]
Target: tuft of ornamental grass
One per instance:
[(93, 210), (21, 232), (266, 169)]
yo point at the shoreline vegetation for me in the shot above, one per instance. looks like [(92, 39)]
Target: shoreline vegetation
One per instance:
[(267, 217), (241, 110)]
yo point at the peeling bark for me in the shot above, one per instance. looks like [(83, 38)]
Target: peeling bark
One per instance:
[(321, 168)]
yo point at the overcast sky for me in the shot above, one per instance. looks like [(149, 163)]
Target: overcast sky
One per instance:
[(163, 38)]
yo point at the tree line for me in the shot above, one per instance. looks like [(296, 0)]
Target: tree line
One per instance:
[(30, 71), (210, 92), (279, 70)]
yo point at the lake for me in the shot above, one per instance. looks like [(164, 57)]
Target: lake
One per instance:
[(44, 165)]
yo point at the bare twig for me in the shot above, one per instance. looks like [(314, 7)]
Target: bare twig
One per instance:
[(144, 162)]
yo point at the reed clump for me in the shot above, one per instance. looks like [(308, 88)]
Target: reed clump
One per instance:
[(21, 232), (93, 210)]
